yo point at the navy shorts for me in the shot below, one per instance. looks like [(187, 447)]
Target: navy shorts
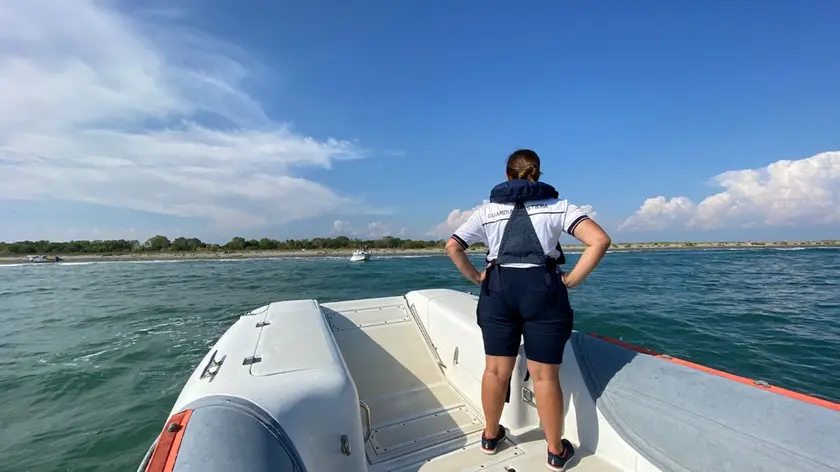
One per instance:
[(530, 302)]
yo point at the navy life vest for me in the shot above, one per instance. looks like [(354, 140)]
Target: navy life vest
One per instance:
[(520, 243)]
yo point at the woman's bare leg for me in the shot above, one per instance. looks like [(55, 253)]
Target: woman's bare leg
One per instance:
[(494, 383), (549, 395)]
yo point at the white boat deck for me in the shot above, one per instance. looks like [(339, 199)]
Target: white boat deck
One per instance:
[(420, 422), (301, 376)]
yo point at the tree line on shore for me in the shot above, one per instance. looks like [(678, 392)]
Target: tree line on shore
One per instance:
[(162, 243)]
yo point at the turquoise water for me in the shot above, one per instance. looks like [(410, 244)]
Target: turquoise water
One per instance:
[(92, 356)]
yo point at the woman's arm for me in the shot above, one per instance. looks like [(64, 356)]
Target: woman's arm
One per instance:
[(597, 242), (462, 262)]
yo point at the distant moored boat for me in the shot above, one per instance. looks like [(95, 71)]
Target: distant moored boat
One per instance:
[(43, 258), (360, 256)]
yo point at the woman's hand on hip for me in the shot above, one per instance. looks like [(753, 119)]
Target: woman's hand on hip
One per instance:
[(567, 281)]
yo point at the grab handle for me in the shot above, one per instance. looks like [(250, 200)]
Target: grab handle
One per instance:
[(367, 423)]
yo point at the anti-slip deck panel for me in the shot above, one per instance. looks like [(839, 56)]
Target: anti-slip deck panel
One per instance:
[(413, 407)]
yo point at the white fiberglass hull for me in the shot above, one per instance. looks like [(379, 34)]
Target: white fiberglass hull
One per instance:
[(393, 385)]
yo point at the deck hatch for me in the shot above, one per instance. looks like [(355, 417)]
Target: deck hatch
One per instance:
[(366, 317), (423, 432)]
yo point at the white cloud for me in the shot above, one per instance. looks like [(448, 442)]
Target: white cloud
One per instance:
[(454, 220), (657, 213), (457, 217), (45, 231), (589, 211), (99, 233), (105, 109), (785, 193), (340, 226), (374, 229), (378, 229)]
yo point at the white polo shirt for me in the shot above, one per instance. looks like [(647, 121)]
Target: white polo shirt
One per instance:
[(550, 218)]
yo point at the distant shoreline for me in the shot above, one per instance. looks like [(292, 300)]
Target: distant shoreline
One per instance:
[(276, 254)]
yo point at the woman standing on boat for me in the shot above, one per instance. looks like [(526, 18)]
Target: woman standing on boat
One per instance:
[(523, 293)]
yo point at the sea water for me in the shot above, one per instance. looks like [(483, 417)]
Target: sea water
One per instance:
[(93, 355)]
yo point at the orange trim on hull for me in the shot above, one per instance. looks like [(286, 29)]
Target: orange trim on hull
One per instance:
[(166, 451), (726, 375)]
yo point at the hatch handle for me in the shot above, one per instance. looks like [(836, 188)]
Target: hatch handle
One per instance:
[(367, 424)]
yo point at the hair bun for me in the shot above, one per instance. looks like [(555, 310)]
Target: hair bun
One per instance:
[(524, 164), (530, 172)]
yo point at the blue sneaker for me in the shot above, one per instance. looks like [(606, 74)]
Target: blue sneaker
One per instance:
[(488, 446), (557, 462)]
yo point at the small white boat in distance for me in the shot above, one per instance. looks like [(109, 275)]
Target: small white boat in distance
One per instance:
[(43, 259), (394, 385), (360, 256)]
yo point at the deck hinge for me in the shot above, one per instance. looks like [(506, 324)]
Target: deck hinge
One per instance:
[(413, 315), (251, 360), (762, 383), (455, 357), (263, 323)]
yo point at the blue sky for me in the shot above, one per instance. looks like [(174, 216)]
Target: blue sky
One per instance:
[(304, 119)]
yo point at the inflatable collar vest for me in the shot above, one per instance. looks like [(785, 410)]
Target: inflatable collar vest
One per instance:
[(520, 243)]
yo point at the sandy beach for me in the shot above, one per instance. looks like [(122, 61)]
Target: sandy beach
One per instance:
[(270, 254)]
